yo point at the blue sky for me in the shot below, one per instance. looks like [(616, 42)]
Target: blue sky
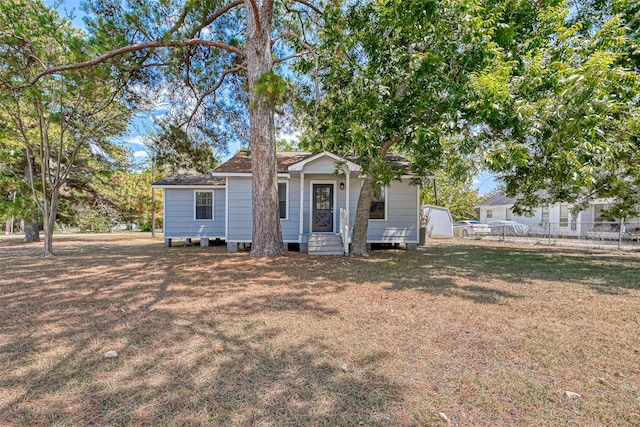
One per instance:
[(485, 182)]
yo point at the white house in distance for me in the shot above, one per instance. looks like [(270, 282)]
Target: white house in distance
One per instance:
[(559, 220), (318, 199)]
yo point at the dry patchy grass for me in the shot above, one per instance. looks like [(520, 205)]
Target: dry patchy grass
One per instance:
[(488, 335)]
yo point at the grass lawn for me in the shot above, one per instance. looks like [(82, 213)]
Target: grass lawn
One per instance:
[(486, 335)]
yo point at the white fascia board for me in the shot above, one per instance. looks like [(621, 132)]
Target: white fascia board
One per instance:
[(244, 174), (402, 178), (298, 167), (194, 187)]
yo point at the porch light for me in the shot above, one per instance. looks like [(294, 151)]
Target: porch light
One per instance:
[(342, 185)]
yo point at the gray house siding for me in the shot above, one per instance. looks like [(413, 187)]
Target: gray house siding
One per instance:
[(291, 225), (240, 212), (401, 223), (233, 215), (179, 214), (240, 216)]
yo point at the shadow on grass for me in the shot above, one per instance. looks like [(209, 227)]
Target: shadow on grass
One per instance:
[(193, 347), (438, 268), (196, 346)]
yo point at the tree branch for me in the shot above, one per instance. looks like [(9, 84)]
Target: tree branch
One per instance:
[(297, 55), (633, 20), (215, 16), (387, 145), (256, 16), (123, 50), (212, 90), (310, 6), (180, 20)]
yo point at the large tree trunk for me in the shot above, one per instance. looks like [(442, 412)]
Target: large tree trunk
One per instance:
[(267, 232), (32, 228), (361, 222)]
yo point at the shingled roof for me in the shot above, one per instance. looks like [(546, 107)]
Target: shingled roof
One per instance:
[(241, 162), (501, 199), (190, 178)]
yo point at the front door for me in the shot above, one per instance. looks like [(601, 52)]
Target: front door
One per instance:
[(322, 220)]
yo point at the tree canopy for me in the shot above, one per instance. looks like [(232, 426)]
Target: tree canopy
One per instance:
[(64, 123), (561, 108)]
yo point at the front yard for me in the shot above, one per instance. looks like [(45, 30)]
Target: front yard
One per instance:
[(464, 333)]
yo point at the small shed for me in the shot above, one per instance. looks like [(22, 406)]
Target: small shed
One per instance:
[(439, 224)]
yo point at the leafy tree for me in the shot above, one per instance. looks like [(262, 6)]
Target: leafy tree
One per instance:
[(64, 123), (129, 195), (15, 194), (173, 149), (394, 77), (454, 193), (563, 114), (222, 55)]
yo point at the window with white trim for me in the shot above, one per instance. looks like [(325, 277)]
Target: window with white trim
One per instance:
[(598, 216), (564, 215), (507, 214), (489, 213), (545, 214), (283, 199), (204, 204), (378, 209)]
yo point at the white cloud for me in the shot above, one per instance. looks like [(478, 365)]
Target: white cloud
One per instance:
[(290, 137), (134, 140), (140, 155)]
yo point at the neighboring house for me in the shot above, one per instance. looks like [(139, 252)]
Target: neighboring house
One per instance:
[(318, 199), (559, 220)]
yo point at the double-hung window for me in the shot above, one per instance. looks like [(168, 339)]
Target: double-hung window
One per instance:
[(204, 204), (545, 214), (564, 215), (378, 208), (283, 199)]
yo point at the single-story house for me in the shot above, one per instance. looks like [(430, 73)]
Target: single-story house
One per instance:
[(318, 199), (559, 219)]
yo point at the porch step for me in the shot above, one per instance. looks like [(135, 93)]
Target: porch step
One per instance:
[(325, 244)]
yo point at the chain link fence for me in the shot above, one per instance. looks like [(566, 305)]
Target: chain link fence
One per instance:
[(603, 234)]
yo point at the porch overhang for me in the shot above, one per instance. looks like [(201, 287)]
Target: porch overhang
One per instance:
[(299, 166)]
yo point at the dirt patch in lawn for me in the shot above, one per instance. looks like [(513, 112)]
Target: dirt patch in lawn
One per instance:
[(482, 334)]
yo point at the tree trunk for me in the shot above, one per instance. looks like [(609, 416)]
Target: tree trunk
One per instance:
[(32, 229), (361, 222), (267, 232), (49, 223)]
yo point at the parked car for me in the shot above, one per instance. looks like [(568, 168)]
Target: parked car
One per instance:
[(502, 227), (471, 228)]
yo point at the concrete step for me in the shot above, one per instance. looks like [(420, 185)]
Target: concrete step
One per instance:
[(325, 244)]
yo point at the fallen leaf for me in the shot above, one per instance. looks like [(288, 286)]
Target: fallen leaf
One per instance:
[(572, 395), (219, 349)]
